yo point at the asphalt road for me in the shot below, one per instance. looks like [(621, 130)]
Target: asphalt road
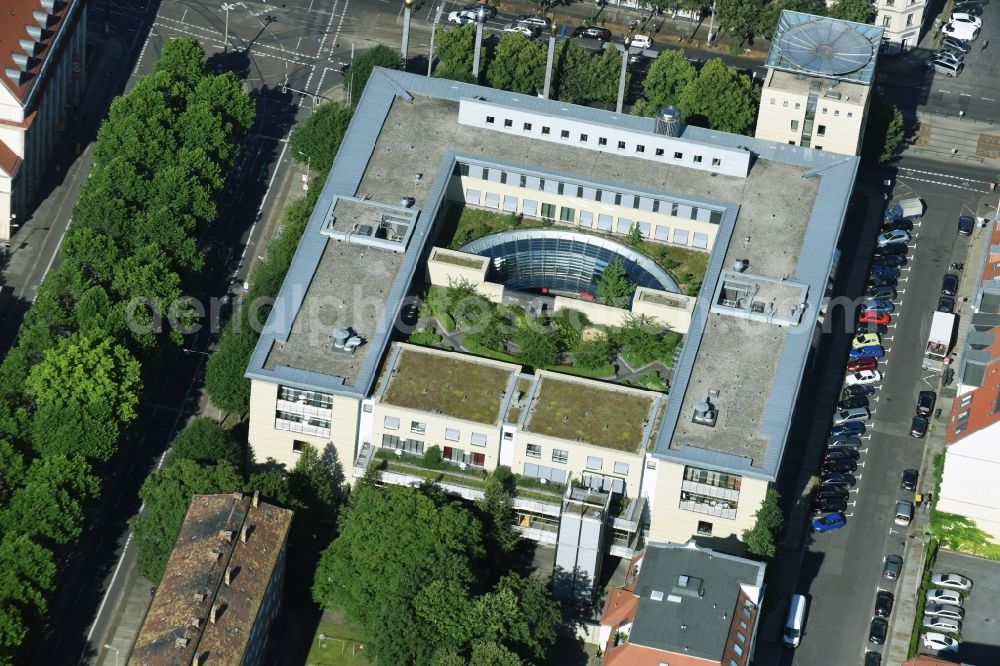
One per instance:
[(840, 571)]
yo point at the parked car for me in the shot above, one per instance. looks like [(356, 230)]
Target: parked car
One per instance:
[(918, 426), (593, 32), (462, 16), (904, 223), (890, 261), (838, 466), (894, 236), (883, 603), (490, 10), (925, 402), (952, 581), (848, 429), (878, 630), (941, 624), (841, 479), (642, 42), (830, 491), (966, 224), (879, 305), (946, 304), (853, 401), (526, 30), (947, 67), (865, 339), (871, 351), (873, 659), (909, 479), (829, 523), (829, 505), (892, 566), (946, 56), (859, 364), (956, 44), (934, 640), (944, 610), (887, 281), (892, 248), (882, 293), (864, 377), (939, 596), (858, 389), (878, 329), (949, 284), (841, 453), (873, 317), (904, 512), (967, 19), (884, 273), (541, 22), (847, 443), (971, 8), (961, 30)]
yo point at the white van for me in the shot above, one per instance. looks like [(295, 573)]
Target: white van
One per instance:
[(793, 625)]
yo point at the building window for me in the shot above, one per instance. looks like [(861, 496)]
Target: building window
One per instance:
[(640, 149), (965, 401), (621, 468), (715, 217), (697, 159), (545, 130), (850, 114), (548, 211), (795, 125), (824, 110), (567, 214), (508, 122), (821, 130), (738, 649), (819, 147), (621, 145), (527, 127), (650, 464), (418, 428), (886, 21), (390, 423), (533, 451), (746, 613), (583, 138), (740, 637), (618, 199), (678, 156), (909, 20), (836, 113), (791, 143), (508, 435), (305, 398), (772, 101), (713, 478), (367, 409), (594, 462), (732, 662), (704, 528), (743, 625), (298, 445), (413, 446), (490, 120), (602, 141), (564, 134), (478, 439), (659, 152), (560, 456), (784, 103), (452, 434), (716, 161), (797, 105)]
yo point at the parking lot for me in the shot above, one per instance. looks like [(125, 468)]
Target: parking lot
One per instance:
[(980, 635)]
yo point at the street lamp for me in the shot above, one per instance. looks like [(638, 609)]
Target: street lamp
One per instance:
[(549, 59), (480, 20), (407, 6), (621, 80), (112, 647), (227, 7)]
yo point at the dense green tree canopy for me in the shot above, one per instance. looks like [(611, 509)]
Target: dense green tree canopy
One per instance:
[(206, 442), (761, 539), (666, 78), (49, 506), (316, 140), (721, 99), (27, 571), (614, 287), (740, 18), (860, 11), (517, 63), (361, 68), (884, 133)]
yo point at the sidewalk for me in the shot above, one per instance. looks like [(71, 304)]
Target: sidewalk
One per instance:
[(915, 551)]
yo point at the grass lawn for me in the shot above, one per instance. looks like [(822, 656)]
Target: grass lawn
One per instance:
[(338, 648)]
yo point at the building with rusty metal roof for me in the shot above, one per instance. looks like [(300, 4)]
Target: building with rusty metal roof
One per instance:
[(222, 586)]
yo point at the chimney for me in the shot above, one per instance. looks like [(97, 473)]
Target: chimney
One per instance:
[(243, 532), (213, 614), (215, 554), (226, 535), (181, 642), (195, 622), (256, 498), (196, 660), (199, 597), (228, 575)]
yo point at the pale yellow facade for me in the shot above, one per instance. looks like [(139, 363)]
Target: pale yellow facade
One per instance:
[(272, 436), (901, 21), (835, 124), (671, 522), (390, 421)]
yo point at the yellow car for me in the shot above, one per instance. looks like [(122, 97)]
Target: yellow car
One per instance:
[(866, 339)]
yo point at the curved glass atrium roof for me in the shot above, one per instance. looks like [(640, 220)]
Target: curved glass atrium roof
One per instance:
[(822, 46), (536, 259)]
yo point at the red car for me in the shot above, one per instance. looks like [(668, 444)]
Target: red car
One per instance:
[(871, 317), (863, 363)]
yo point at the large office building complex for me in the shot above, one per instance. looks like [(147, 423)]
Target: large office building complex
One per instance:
[(42, 53), (599, 462), (817, 89)]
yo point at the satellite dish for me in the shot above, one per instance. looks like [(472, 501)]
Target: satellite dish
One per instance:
[(826, 47)]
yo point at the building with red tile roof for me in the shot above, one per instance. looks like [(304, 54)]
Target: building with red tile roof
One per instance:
[(972, 456), (42, 69), (221, 588)]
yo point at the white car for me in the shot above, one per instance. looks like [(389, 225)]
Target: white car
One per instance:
[(951, 581), (944, 597), (942, 624), (965, 31), (527, 31), (462, 16), (894, 236), (943, 610), (864, 377), (641, 42), (967, 19), (936, 641)]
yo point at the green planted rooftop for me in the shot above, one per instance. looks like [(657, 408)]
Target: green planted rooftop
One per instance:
[(445, 383), (610, 417)]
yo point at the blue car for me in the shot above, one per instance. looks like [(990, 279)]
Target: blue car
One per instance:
[(849, 429), (868, 351), (879, 305), (829, 522), (885, 272)]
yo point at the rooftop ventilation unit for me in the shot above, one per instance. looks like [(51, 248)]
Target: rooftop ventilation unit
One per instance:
[(407, 202), (344, 340), (740, 265), (705, 413), (656, 595), (668, 122)]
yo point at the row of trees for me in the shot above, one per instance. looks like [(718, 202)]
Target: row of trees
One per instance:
[(430, 568), (71, 385), (747, 19)]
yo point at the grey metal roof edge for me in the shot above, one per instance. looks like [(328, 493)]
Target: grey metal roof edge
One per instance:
[(626, 188), (714, 554), (305, 379)]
